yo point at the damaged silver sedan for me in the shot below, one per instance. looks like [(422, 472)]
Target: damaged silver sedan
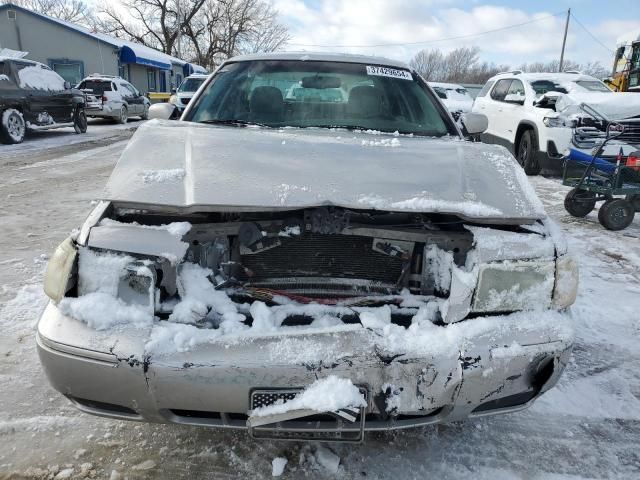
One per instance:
[(312, 252)]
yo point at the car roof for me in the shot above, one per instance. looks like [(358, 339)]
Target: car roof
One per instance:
[(321, 57), (554, 77), (102, 78), (21, 60), (198, 75)]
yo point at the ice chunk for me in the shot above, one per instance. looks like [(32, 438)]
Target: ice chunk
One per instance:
[(327, 459), (277, 466)]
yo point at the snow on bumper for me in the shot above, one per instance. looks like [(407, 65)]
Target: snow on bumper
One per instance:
[(480, 366)]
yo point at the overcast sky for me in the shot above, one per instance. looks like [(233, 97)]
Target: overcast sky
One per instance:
[(375, 22)]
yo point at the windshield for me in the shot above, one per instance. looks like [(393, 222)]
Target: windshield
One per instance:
[(593, 86), (97, 86), (278, 93), (191, 84)]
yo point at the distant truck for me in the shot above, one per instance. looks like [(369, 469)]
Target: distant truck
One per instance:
[(34, 97), (625, 76)]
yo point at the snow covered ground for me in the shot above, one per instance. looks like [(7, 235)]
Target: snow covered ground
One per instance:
[(99, 131), (586, 428)]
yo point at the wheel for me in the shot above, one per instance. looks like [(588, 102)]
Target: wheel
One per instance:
[(124, 115), (527, 151), (79, 120), (145, 114), (579, 203), (616, 214), (12, 126), (634, 200)]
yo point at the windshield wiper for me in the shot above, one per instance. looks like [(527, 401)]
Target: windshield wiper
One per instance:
[(237, 123)]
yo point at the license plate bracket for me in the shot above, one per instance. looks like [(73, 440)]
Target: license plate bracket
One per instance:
[(305, 425)]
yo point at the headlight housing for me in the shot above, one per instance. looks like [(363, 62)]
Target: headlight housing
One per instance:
[(173, 99), (60, 269), (514, 285), (553, 122)]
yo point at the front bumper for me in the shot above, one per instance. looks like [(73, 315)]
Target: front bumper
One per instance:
[(112, 375)]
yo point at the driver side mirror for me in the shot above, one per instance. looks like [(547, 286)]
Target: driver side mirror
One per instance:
[(163, 111), (474, 123)]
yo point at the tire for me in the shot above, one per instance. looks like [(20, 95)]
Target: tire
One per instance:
[(145, 114), (527, 152), (634, 200), (80, 120), (579, 203), (12, 126), (616, 214), (123, 116)]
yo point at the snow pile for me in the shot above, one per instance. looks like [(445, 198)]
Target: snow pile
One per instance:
[(613, 106), (384, 142), (100, 271), (425, 202), (325, 395), (40, 78), (163, 176), (440, 262), (102, 311), (178, 229), (4, 78), (289, 231)]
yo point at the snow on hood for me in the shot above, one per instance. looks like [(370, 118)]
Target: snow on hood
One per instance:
[(252, 169), (614, 106)]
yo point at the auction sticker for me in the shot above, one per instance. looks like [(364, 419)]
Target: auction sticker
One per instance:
[(388, 72)]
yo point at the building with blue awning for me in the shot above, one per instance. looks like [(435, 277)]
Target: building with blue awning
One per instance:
[(74, 51)]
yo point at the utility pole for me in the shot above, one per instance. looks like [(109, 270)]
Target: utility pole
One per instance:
[(564, 40)]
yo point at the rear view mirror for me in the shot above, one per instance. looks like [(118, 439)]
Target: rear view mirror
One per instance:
[(474, 123), (163, 111), (321, 82)]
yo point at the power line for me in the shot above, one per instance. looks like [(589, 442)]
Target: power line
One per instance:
[(426, 42), (591, 34)]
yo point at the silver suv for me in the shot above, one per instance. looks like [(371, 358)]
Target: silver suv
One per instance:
[(113, 97)]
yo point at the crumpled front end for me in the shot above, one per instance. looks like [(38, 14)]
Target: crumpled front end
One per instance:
[(203, 323)]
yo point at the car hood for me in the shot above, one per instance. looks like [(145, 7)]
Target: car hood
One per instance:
[(614, 106), (189, 167)]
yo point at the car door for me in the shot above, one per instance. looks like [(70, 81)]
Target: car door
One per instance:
[(512, 110), (133, 98), (495, 109)]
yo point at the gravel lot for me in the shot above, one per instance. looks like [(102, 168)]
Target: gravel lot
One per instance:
[(587, 427)]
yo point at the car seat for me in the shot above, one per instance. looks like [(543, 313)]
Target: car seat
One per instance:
[(266, 105)]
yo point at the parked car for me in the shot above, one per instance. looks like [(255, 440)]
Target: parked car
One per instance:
[(185, 91), (455, 97), (113, 97), (522, 113), (33, 97), (309, 269)]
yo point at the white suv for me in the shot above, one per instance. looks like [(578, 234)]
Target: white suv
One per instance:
[(113, 97), (522, 120)]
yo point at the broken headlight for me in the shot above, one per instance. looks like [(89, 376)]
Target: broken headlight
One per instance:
[(59, 270), (513, 286), (566, 288)]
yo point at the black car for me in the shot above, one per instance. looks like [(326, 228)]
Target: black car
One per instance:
[(34, 97)]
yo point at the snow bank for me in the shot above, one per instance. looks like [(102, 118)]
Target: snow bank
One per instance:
[(40, 78), (325, 395)]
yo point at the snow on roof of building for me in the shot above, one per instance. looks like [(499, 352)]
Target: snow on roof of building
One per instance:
[(130, 52)]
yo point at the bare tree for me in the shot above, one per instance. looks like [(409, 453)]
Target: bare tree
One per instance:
[(429, 64), (228, 27), (595, 69), (155, 23), (461, 65), (75, 11)]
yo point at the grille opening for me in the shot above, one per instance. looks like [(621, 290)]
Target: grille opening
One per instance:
[(107, 407), (506, 402)]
